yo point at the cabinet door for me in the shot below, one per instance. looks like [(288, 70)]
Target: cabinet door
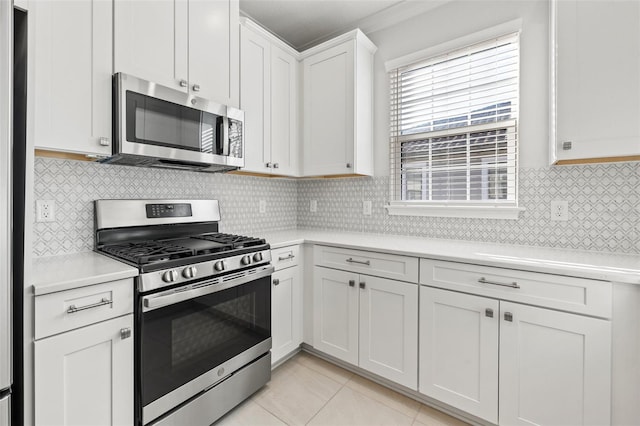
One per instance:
[(255, 98), (286, 312), (151, 41), (85, 377), (389, 329), (284, 112), (72, 63), (335, 313), (329, 111), (214, 46), (459, 351), (597, 78), (555, 368)]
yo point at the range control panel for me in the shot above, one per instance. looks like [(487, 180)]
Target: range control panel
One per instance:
[(168, 210)]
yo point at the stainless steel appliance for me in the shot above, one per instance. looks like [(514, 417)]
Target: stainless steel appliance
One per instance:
[(203, 307), (6, 143), (13, 54), (157, 126)]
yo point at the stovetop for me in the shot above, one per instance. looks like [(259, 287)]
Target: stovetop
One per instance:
[(158, 254)]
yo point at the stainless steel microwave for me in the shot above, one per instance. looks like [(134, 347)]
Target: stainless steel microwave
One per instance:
[(156, 126)]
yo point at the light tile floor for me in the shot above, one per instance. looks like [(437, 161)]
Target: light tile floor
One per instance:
[(307, 390)]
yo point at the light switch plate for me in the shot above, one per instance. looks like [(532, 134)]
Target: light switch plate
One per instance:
[(313, 206), (263, 206)]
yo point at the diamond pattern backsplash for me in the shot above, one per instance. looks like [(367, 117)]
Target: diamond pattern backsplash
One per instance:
[(604, 210), (604, 205), (75, 184)]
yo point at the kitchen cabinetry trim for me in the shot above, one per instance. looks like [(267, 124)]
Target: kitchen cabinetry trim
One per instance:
[(255, 27), (356, 34)]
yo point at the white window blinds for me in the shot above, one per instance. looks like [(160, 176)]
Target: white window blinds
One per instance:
[(454, 127)]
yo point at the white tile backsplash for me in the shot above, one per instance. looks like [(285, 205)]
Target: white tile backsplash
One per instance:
[(604, 205), (75, 184)]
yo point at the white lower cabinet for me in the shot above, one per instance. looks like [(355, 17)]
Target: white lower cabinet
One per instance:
[(367, 321), (286, 316), (85, 376), (459, 351), (286, 302), (554, 368)]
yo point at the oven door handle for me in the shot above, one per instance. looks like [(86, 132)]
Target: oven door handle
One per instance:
[(181, 294)]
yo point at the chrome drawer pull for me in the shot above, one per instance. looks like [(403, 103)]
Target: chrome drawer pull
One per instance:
[(366, 262), (73, 308), (276, 281), (483, 280), (291, 256)]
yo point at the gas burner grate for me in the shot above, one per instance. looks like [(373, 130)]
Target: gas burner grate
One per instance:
[(144, 252), (236, 241)]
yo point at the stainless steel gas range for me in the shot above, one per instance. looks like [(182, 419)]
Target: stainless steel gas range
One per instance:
[(202, 309)]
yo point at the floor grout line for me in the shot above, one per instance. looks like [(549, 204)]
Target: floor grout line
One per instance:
[(350, 378)]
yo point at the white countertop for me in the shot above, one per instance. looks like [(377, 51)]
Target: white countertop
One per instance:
[(615, 267), (58, 273)]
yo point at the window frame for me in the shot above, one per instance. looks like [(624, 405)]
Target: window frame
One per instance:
[(453, 208)]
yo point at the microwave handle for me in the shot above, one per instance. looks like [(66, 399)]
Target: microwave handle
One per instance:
[(225, 136)]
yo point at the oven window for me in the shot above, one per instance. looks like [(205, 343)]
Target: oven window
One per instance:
[(182, 341), (154, 121)]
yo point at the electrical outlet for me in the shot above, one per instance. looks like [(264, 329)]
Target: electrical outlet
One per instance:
[(46, 211), (313, 206), (263, 206), (560, 210), (366, 207)]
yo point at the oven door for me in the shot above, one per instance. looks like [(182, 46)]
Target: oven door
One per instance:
[(198, 334)]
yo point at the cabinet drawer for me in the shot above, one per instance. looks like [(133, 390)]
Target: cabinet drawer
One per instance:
[(584, 296), (66, 310), (392, 266), (285, 257)]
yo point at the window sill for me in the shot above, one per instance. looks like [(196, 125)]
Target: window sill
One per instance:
[(478, 212)]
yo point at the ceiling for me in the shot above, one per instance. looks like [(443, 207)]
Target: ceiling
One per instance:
[(304, 23)]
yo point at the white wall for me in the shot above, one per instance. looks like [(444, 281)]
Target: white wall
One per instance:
[(458, 19)]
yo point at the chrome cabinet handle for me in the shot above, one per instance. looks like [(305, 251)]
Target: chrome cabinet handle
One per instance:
[(183, 83), (488, 312), (348, 165), (276, 281), (73, 308), (276, 165), (508, 316), (125, 333), (483, 280), (365, 262), (362, 284), (352, 283), (290, 256), (196, 87), (269, 165)]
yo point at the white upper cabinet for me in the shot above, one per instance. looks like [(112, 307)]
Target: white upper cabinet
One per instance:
[(269, 98), (189, 45), (71, 59), (338, 87), (151, 41), (595, 88)]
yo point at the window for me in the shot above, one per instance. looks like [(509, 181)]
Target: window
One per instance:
[(454, 130)]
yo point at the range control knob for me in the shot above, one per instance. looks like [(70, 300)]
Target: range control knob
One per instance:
[(170, 276), (189, 272), (257, 257), (246, 260), (219, 266)]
